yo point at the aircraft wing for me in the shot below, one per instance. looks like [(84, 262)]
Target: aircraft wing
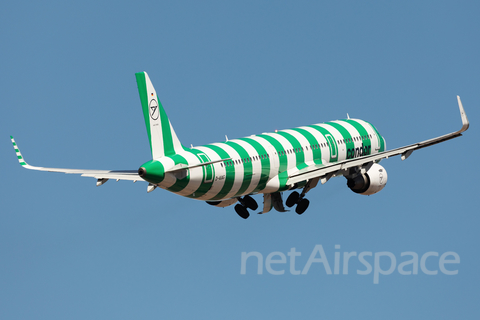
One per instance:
[(101, 175), (325, 172)]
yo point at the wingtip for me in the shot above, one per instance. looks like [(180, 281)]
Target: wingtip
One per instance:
[(20, 158), (465, 122)]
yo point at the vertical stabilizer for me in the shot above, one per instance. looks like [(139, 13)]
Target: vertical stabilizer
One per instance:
[(162, 137)]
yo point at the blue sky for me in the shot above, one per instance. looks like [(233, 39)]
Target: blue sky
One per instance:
[(70, 250)]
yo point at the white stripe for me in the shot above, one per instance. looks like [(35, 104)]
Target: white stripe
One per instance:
[(371, 130), (217, 185), (268, 146), (286, 145), (169, 178), (196, 176)]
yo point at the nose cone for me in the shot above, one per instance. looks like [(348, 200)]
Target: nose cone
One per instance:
[(152, 171)]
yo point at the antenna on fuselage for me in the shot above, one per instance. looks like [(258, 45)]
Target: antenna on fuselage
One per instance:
[(348, 117), (226, 138)]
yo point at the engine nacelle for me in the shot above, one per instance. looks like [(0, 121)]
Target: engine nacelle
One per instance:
[(369, 183)]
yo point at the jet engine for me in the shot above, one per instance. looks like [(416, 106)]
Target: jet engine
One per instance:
[(370, 182)]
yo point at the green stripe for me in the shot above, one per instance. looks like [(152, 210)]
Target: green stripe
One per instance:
[(247, 167), (179, 184), (142, 90), (22, 163), (300, 157), (230, 173), (166, 131), (265, 162), (283, 178), (317, 152), (380, 138), (283, 162)]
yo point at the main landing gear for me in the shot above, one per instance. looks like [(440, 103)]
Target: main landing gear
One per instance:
[(297, 199), (245, 202)]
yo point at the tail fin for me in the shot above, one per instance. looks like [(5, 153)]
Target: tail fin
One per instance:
[(163, 140)]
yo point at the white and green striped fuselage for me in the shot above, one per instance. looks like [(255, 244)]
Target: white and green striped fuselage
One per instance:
[(261, 163), (228, 172)]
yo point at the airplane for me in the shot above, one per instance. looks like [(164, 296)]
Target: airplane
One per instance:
[(230, 172)]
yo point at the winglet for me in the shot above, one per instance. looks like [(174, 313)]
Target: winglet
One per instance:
[(465, 122), (19, 155)]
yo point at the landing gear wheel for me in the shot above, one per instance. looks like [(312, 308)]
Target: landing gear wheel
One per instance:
[(242, 211), (250, 203), (292, 199), (302, 206)]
